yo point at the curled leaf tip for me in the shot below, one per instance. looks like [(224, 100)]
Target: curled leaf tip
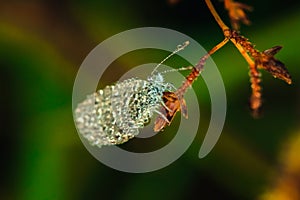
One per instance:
[(277, 69), (272, 51)]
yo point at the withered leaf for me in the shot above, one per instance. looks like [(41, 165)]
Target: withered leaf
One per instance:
[(266, 61)]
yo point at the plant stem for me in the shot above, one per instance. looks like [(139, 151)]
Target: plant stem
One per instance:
[(216, 16), (198, 68), (227, 33), (243, 52), (255, 99)]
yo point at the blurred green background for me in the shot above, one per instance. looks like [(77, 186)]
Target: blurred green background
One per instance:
[(42, 45)]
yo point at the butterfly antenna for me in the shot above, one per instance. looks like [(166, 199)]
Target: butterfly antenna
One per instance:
[(179, 69), (179, 48)]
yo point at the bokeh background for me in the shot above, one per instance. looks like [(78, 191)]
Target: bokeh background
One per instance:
[(42, 45)]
